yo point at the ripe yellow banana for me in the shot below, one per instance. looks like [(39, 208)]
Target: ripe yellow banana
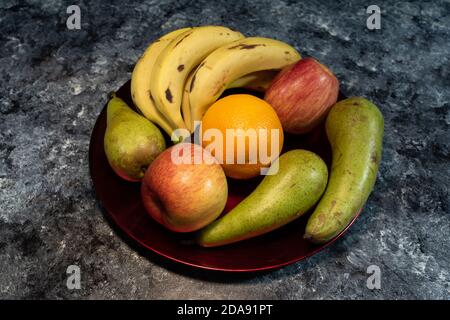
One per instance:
[(185, 105), (231, 62), (257, 81), (178, 59), (140, 81)]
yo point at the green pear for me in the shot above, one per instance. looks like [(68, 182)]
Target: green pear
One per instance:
[(280, 198), (355, 130), (131, 141)]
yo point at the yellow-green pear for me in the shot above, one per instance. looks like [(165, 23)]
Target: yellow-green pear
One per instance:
[(131, 141), (294, 184), (355, 130)]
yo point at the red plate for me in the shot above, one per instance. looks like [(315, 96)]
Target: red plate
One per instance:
[(123, 205)]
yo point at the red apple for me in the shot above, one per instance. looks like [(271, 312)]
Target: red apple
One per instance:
[(184, 188), (302, 94)]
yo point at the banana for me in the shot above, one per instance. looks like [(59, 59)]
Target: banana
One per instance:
[(257, 81), (231, 62), (178, 59), (140, 81), (185, 105)]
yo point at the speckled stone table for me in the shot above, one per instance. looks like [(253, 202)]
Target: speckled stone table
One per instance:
[(55, 81)]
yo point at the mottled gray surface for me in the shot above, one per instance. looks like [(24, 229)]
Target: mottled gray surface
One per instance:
[(54, 83)]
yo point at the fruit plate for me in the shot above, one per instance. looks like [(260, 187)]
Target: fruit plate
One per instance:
[(122, 203)]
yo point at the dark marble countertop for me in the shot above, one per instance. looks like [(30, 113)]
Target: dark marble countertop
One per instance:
[(55, 81)]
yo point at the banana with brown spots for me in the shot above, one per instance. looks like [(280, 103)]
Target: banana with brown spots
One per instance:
[(231, 62), (176, 62)]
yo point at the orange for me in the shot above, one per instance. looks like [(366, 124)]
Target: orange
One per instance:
[(249, 114)]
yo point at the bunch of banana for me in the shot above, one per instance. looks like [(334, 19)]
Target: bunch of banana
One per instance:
[(159, 75), (180, 75)]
